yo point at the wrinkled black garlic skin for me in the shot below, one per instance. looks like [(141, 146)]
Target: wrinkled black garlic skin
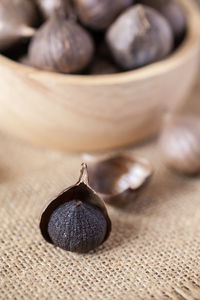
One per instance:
[(77, 226), (139, 36)]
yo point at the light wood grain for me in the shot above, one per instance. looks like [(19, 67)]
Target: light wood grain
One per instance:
[(76, 113)]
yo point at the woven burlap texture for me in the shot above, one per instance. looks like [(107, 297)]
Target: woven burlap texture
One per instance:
[(152, 253)]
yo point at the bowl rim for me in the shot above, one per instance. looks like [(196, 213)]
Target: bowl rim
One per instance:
[(191, 42)]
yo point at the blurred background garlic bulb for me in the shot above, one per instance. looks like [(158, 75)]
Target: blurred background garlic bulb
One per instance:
[(180, 143)]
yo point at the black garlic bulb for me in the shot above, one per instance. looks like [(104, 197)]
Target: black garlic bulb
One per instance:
[(139, 36), (179, 143), (77, 219), (77, 226), (61, 45), (99, 14), (49, 7), (174, 14), (17, 19), (24, 60), (102, 66)]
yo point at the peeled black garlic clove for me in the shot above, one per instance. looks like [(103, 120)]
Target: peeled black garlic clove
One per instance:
[(173, 12), (16, 17), (99, 14), (139, 36), (119, 179), (77, 219), (61, 45), (180, 143)]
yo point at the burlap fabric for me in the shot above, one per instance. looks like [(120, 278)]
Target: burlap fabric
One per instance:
[(152, 253)]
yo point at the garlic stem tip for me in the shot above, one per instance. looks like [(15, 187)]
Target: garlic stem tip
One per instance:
[(27, 31)]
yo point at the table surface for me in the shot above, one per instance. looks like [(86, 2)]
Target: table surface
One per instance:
[(153, 251)]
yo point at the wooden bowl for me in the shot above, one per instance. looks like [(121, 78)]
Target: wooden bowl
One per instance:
[(79, 113)]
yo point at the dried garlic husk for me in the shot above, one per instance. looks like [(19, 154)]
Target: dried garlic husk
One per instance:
[(61, 45), (180, 143), (77, 219), (17, 18), (118, 179)]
